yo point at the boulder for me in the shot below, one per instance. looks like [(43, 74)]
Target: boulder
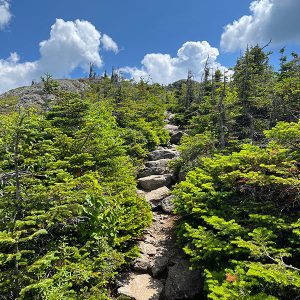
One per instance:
[(176, 137), (161, 163), (140, 287), (153, 182), (183, 283), (151, 171), (163, 154), (159, 266), (155, 167), (169, 116), (167, 204), (158, 194)]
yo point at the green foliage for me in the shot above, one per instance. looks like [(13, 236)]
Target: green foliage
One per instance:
[(69, 212), (50, 86), (139, 111), (8, 104), (191, 149), (241, 219)]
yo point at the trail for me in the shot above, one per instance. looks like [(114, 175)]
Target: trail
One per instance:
[(162, 271)]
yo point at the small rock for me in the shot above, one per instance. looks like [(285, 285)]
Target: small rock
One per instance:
[(141, 287)]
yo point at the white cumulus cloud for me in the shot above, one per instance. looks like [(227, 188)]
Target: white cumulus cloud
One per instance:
[(165, 69), (269, 19), (109, 44), (5, 14), (70, 45)]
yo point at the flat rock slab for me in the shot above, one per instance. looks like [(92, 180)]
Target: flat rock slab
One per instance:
[(147, 248), (154, 182), (163, 154), (157, 194), (141, 287)]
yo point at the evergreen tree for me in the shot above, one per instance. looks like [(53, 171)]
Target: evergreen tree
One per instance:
[(253, 79)]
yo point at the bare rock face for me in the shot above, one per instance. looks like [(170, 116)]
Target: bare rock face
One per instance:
[(141, 287), (34, 95), (153, 182), (183, 283)]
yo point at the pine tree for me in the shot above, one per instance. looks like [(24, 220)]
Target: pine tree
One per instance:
[(253, 78)]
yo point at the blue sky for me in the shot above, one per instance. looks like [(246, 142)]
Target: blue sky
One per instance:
[(142, 30)]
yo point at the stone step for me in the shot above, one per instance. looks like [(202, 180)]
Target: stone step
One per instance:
[(171, 128), (154, 182), (140, 287), (152, 171), (176, 137), (158, 194), (164, 153), (155, 167), (160, 163)]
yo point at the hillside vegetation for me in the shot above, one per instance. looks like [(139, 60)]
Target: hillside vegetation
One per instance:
[(69, 211), (70, 214), (241, 162)]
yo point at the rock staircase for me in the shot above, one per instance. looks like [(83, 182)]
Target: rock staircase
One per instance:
[(161, 271)]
